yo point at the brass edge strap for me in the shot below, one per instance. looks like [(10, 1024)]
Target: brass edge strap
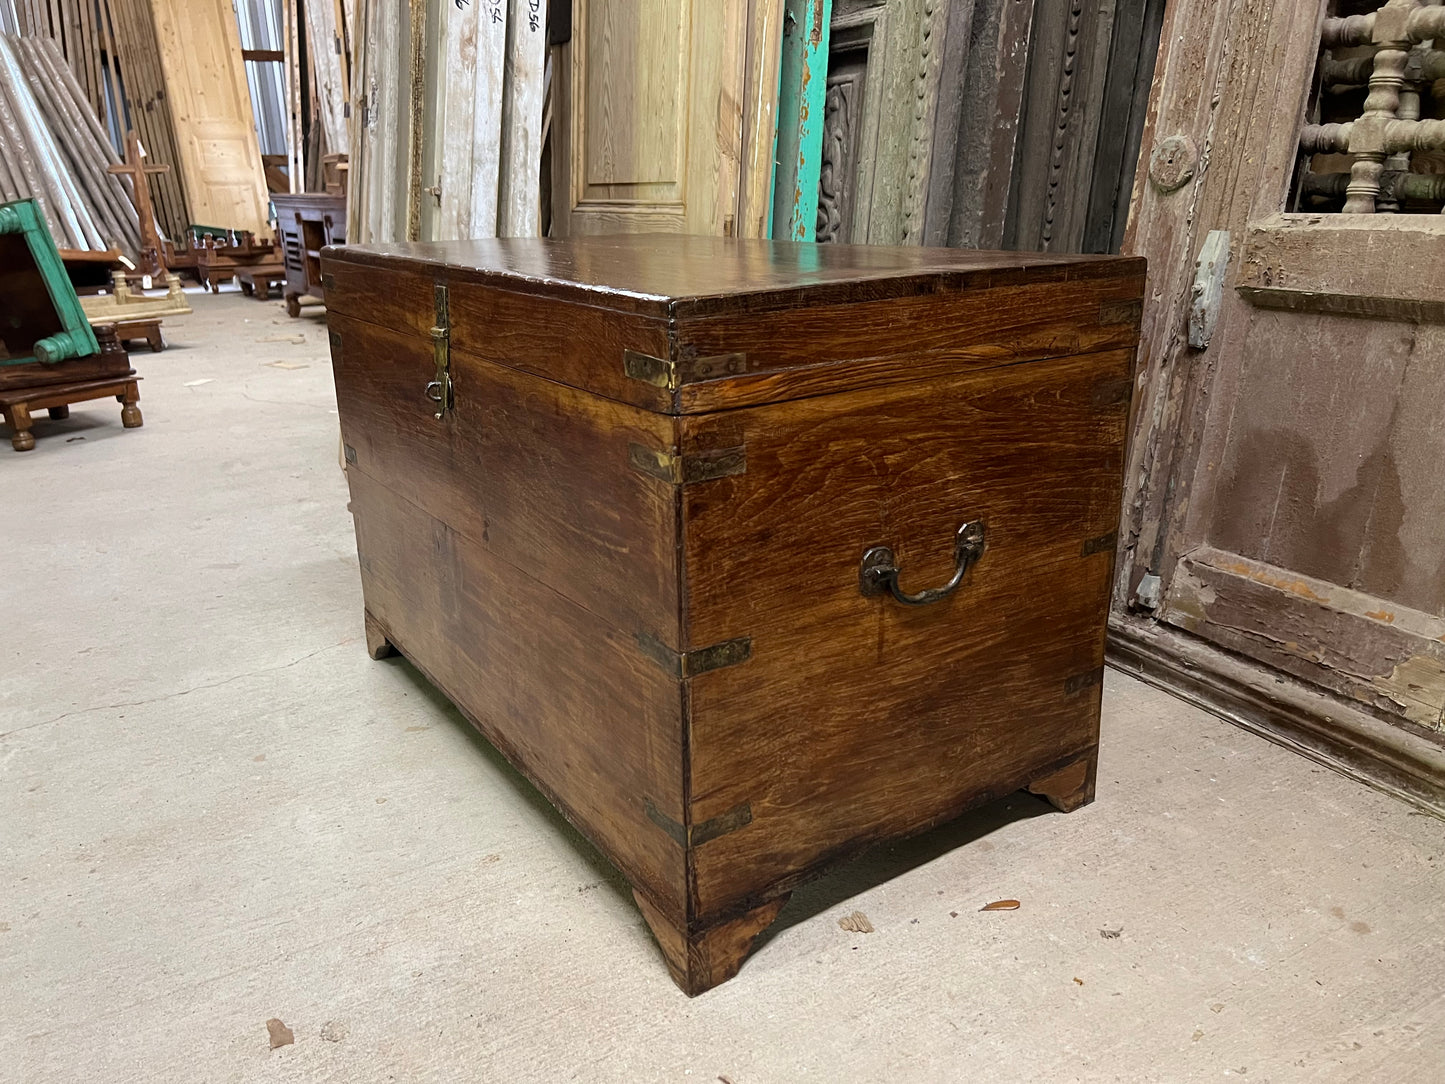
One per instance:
[(691, 663), (669, 374), (1082, 681), (699, 834), (659, 372), (684, 469), (1105, 542)]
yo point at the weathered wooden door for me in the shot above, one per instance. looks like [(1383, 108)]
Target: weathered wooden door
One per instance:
[(1284, 536)]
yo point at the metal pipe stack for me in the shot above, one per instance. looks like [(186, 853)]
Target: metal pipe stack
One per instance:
[(53, 148)]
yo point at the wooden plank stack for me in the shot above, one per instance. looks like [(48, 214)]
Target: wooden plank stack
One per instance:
[(131, 39), (446, 137), (52, 148), (110, 49)]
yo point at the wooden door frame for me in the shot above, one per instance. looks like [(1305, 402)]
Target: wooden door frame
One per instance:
[(1230, 89)]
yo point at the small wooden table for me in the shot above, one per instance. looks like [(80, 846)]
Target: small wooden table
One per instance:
[(257, 281), (147, 330), (220, 259), (56, 398)]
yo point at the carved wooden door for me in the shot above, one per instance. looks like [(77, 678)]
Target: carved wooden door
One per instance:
[(1284, 535)]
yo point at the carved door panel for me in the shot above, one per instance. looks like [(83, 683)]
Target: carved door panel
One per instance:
[(1287, 478), (884, 65), (984, 123)]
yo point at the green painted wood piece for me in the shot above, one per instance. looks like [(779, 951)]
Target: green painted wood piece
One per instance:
[(75, 339), (802, 90)]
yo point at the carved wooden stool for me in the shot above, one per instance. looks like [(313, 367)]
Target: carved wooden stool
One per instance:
[(148, 330), (56, 398)]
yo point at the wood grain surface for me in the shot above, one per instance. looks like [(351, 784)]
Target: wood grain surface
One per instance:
[(565, 695), (857, 718), (220, 156), (670, 276), (533, 472), (804, 325)]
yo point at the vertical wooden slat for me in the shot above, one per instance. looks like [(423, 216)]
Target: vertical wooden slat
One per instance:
[(519, 212), (294, 164), (417, 68), (468, 128), (760, 117), (323, 36), (561, 136), (801, 92), (357, 227), (388, 89), (486, 118)]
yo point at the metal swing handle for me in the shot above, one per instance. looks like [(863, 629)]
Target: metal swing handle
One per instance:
[(879, 570)]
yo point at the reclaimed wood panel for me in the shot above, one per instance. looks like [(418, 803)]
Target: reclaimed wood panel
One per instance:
[(760, 118), (1282, 497), (803, 86), (657, 92), (328, 67), (1383, 656), (468, 134)]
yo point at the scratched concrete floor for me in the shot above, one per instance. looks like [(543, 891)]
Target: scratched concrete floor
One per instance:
[(215, 810)]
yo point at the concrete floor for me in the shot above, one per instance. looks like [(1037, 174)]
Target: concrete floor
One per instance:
[(216, 810)]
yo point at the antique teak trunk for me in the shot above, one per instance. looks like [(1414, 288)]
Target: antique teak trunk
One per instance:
[(747, 554)]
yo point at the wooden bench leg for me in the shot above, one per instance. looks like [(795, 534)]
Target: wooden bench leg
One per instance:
[(293, 305), (129, 412), (59, 413), (700, 961), (18, 418), (1072, 786), (377, 645), (153, 337)]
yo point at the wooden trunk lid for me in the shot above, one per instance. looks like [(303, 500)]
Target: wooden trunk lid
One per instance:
[(687, 325)]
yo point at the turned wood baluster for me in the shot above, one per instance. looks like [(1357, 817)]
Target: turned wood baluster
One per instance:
[(1427, 24), (1387, 79)]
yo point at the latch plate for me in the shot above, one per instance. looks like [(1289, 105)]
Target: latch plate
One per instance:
[(439, 391)]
